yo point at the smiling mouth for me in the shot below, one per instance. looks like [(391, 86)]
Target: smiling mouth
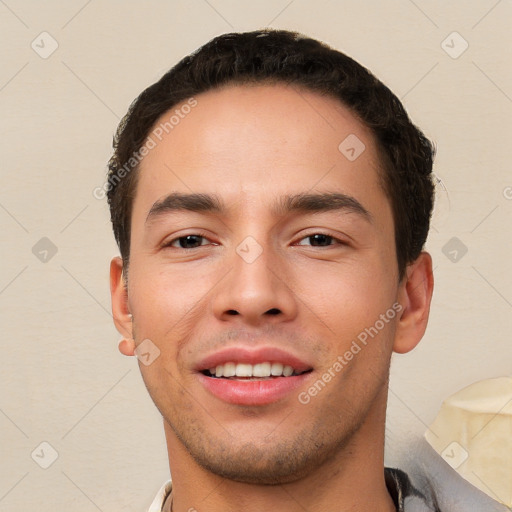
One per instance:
[(259, 371)]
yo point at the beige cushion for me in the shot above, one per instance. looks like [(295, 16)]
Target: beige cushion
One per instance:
[(473, 433)]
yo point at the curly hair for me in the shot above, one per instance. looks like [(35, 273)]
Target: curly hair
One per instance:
[(280, 56)]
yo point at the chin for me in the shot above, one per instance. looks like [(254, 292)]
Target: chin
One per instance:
[(281, 462), (267, 471)]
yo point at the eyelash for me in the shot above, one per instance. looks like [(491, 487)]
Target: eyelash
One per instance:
[(197, 234), (335, 241)]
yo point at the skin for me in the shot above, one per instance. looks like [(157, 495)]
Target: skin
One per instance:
[(251, 146)]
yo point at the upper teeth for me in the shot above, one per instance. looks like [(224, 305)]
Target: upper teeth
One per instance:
[(252, 370)]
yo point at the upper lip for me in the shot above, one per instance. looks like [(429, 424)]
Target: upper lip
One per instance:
[(252, 356)]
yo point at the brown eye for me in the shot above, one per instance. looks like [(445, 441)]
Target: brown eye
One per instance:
[(318, 240), (188, 242)]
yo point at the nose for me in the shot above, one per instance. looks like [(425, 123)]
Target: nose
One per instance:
[(255, 292)]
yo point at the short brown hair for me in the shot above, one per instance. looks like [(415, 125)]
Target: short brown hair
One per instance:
[(279, 56)]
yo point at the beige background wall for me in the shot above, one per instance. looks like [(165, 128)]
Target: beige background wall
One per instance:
[(62, 380)]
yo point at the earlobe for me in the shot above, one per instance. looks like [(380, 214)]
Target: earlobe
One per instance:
[(127, 347), (415, 295), (119, 297)]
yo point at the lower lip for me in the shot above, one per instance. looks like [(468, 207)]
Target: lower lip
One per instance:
[(252, 392)]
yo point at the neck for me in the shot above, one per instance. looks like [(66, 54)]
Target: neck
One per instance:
[(352, 479)]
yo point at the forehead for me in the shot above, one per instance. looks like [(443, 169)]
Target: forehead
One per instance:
[(258, 141)]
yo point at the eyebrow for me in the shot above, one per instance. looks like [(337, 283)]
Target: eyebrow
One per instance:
[(307, 202), (202, 203), (322, 202)]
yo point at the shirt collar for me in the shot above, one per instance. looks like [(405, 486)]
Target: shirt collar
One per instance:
[(159, 500), (405, 496), (398, 484)]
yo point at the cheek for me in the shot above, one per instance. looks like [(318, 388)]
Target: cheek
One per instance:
[(346, 297), (162, 297)]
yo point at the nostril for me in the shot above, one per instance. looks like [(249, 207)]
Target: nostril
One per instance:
[(231, 312), (273, 311)]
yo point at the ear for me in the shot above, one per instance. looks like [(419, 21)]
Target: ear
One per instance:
[(119, 296), (414, 294)]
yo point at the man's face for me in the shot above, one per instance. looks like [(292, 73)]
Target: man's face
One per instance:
[(263, 272)]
